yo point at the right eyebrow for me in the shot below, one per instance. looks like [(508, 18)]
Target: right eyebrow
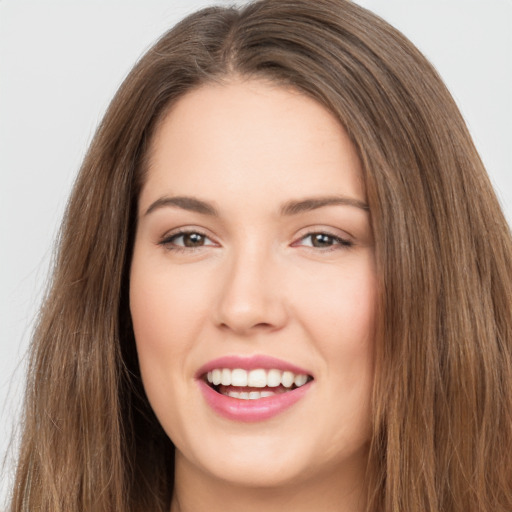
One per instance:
[(313, 203), (185, 203)]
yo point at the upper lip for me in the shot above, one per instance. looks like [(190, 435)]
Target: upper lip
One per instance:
[(250, 363)]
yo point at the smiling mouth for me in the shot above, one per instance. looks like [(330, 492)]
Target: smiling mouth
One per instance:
[(254, 384)]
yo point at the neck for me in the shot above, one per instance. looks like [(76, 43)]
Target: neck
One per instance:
[(333, 491)]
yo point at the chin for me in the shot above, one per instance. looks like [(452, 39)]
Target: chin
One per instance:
[(256, 472), (273, 461)]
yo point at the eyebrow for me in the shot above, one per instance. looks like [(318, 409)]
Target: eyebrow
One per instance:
[(185, 203), (304, 205), (293, 207)]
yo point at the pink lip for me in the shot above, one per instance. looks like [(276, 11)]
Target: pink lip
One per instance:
[(260, 409), (250, 410), (250, 363)]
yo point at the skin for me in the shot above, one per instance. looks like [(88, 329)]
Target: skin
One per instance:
[(257, 283)]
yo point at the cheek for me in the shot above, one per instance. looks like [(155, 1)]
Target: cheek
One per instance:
[(163, 324), (168, 306), (156, 315), (340, 308), (341, 319), (151, 309), (338, 313), (164, 308)]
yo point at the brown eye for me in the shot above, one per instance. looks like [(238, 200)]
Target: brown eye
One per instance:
[(193, 239), (324, 241), (186, 240)]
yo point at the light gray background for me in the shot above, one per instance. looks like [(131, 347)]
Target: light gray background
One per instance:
[(60, 64)]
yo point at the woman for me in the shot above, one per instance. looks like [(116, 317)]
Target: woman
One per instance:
[(287, 191)]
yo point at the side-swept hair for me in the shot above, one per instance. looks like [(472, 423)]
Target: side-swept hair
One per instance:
[(442, 430)]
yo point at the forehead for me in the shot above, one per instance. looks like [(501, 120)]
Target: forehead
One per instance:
[(248, 138)]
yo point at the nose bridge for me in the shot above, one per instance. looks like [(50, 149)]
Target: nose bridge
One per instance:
[(249, 298)]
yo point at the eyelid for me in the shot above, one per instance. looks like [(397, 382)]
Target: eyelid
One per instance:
[(345, 241), (342, 239), (166, 242)]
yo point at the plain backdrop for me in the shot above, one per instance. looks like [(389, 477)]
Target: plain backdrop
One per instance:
[(62, 61)]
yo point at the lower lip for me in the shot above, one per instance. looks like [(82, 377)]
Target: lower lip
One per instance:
[(260, 409)]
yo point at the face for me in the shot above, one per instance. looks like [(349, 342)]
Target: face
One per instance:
[(252, 287)]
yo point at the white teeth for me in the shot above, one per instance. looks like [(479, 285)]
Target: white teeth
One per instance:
[(273, 378), (226, 377), (258, 378), (216, 376), (300, 380), (287, 379), (252, 395), (238, 377)]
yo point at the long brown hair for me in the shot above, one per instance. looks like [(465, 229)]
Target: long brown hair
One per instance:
[(442, 432)]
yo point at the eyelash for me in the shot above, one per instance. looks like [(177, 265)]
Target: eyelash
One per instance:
[(338, 242), (169, 242)]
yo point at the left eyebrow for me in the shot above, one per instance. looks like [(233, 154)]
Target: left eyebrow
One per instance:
[(185, 203), (304, 205)]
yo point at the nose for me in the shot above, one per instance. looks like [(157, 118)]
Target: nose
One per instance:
[(251, 297)]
